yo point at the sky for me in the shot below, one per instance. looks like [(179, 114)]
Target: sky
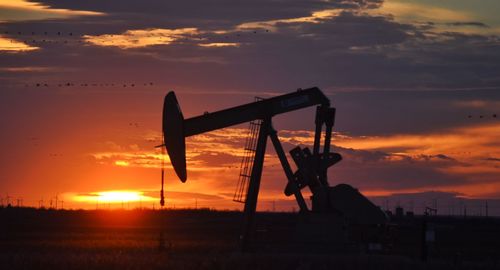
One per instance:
[(416, 85)]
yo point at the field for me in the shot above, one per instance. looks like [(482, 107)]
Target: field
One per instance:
[(202, 239)]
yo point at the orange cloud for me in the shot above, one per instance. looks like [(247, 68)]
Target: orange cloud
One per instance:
[(465, 142), (219, 44), (315, 17), (214, 158), (27, 10), (142, 38), (414, 13), (28, 69), (12, 45), (421, 12)]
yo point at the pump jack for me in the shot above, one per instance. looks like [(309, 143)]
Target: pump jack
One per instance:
[(312, 166)]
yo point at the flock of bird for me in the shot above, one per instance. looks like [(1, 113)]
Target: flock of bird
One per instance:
[(34, 33), (100, 84), (42, 37), (482, 116), (45, 37)]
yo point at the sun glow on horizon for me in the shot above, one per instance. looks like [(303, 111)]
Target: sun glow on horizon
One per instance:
[(113, 196)]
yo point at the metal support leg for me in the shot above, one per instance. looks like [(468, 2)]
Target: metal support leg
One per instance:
[(329, 121), (253, 188), (323, 172), (317, 133), (287, 169)]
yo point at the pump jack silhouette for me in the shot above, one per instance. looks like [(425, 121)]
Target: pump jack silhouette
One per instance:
[(341, 201)]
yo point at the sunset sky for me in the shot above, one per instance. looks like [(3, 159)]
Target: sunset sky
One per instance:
[(416, 84)]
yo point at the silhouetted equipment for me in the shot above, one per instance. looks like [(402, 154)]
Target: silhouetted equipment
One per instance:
[(247, 160), (336, 205), (8, 199), (399, 212), (162, 195), (430, 211), (20, 202)]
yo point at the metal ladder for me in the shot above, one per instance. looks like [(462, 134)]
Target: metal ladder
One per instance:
[(247, 160)]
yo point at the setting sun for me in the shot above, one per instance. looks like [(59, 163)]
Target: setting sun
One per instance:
[(115, 196)]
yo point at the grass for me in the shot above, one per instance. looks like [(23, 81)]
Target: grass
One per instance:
[(193, 241)]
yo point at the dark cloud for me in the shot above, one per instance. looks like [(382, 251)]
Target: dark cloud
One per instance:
[(361, 156), (353, 50), (376, 169), (389, 112), (214, 10), (475, 24), (441, 156)]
